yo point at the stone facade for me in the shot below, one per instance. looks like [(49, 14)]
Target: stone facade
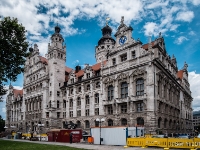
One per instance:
[(131, 84)]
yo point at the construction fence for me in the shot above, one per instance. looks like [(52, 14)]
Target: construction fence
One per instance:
[(165, 143)]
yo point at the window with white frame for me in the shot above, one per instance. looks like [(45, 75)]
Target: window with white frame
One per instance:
[(133, 54), (98, 84), (88, 75), (88, 87)]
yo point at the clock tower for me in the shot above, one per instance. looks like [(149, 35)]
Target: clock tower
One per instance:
[(105, 44), (123, 34)]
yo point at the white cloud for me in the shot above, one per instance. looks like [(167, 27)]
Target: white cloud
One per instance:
[(194, 80), (192, 33), (150, 28), (180, 40), (186, 16), (196, 2)]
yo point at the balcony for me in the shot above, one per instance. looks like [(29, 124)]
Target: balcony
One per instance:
[(109, 102), (139, 97)]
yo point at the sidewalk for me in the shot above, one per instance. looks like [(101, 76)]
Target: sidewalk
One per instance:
[(92, 146)]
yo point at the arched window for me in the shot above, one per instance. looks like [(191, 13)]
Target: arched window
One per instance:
[(124, 90), (96, 123), (110, 122), (47, 124), (139, 87), (78, 124), (110, 92), (123, 122), (87, 124), (71, 103), (140, 121), (159, 122), (170, 124)]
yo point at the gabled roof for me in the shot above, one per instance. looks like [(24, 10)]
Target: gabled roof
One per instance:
[(43, 60), (180, 74), (67, 69), (17, 93)]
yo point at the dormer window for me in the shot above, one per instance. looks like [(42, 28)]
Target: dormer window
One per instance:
[(88, 75), (97, 73), (72, 80), (79, 79)]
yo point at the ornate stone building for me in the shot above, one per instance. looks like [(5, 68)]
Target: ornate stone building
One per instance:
[(131, 84)]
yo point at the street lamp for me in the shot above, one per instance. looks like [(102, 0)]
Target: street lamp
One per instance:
[(100, 120), (40, 125)]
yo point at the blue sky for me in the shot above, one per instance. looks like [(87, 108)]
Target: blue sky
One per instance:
[(81, 22)]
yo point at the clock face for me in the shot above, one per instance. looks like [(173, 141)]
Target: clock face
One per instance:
[(122, 40)]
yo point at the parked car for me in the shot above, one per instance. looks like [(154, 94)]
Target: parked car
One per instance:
[(184, 136), (198, 136)]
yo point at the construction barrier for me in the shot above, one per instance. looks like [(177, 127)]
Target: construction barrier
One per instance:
[(165, 143)]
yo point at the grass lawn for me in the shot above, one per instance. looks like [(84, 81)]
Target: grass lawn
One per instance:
[(15, 145)]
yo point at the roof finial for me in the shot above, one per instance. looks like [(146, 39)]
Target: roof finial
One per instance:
[(160, 35), (122, 20), (185, 66), (107, 20)]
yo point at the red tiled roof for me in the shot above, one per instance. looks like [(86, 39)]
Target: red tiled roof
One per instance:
[(43, 60), (180, 74), (79, 73), (67, 69), (17, 92), (98, 66), (145, 46)]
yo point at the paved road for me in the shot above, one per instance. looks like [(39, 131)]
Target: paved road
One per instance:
[(93, 146)]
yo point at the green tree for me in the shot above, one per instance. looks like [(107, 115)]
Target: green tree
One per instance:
[(2, 124), (13, 51)]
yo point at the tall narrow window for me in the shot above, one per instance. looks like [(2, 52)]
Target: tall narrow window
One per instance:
[(114, 61), (58, 114), (87, 112), (87, 100), (140, 121), (78, 113), (58, 93), (64, 103), (133, 54), (87, 124), (71, 114), (47, 114), (97, 98), (79, 101), (124, 90), (71, 103), (139, 87), (110, 109), (110, 122), (96, 111), (110, 92), (58, 104)]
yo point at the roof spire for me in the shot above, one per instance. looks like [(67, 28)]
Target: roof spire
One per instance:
[(122, 20), (107, 20)]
